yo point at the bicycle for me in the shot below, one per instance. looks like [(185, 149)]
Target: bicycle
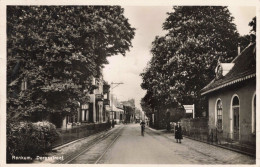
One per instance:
[(142, 128)]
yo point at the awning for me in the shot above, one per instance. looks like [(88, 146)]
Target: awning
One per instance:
[(115, 109), (108, 108)]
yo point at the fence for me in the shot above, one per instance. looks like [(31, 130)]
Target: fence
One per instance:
[(198, 129), (78, 132)]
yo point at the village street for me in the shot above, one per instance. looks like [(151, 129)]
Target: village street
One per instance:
[(126, 145), (82, 80)]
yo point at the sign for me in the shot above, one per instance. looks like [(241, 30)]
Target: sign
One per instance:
[(85, 106), (190, 109), (99, 97), (108, 108), (106, 102), (92, 98)]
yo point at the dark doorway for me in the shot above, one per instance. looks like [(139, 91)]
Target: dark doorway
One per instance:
[(91, 112)]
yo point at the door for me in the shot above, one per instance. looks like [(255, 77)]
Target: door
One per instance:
[(91, 112), (236, 122), (121, 117), (97, 112)]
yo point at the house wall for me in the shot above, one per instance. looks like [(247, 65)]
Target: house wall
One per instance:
[(99, 110), (94, 113), (245, 94), (98, 117)]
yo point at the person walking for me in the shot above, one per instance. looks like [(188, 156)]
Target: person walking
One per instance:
[(113, 123), (142, 127), (178, 132)]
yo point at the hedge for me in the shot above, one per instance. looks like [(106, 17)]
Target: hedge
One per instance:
[(27, 139)]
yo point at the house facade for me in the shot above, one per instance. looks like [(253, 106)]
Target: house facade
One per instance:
[(92, 112), (232, 98), (129, 111)]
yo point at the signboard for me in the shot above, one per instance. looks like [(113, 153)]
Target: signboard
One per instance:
[(106, 102), (67, 109), (108, 108), (190, 109), (85, 106), (92, 98), (99, 96)]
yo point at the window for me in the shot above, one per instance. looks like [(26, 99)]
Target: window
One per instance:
[(24, 85), (235, 113), (219, 114)]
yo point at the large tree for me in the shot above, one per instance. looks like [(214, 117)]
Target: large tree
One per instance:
[(245, 39), (184, 59), (58, 50)]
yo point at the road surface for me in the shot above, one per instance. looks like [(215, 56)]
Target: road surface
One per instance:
[(128, 146)]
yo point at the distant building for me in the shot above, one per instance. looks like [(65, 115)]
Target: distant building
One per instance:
[(117, 114), (129, 110), (232, 97), (95, 110), (138, 115)]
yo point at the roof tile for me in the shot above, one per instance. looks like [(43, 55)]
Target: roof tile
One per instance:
[(244, 68)]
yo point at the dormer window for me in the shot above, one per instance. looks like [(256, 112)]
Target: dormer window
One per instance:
[(219, 72), (223, 69)]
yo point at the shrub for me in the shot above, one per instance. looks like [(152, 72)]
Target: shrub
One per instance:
[(29, 139)]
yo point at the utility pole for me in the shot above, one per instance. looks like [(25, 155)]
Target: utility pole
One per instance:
[(116, 84)]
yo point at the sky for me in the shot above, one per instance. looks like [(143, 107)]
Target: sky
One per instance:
[(148, 22)]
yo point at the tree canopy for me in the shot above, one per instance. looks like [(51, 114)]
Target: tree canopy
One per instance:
[(58, 50), (245, 39), (183, 61)]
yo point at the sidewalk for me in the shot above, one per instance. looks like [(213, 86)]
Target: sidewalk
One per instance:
[(243, 149)]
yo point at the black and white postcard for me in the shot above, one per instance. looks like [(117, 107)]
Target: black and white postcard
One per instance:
[(129, 83)]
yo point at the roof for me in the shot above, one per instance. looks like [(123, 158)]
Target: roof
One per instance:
[(244, 68), (129, 103), (116, 109)]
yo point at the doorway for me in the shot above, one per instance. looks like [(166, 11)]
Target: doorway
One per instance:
[(236, 121)]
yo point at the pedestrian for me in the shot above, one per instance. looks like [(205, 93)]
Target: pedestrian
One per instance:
[(142, 127), (113, 123), (178, 132)]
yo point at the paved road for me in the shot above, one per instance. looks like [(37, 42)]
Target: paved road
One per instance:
[(161, 148), (133, 148), (155, 147)]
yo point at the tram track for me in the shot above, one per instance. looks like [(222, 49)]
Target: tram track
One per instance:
[(96, 162), (73, 157)]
